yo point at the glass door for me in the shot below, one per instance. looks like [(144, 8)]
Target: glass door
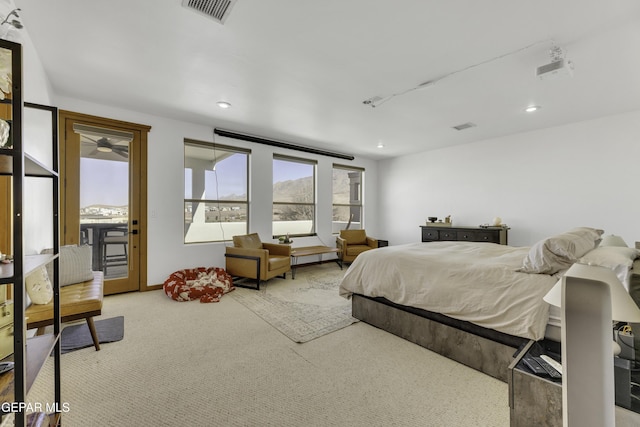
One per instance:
[(102, 198)]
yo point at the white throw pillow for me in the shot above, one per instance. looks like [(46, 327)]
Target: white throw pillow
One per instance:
[(75, 264), (610, 256), (613, 240), (39, 286), (555, 253), (617, 258)]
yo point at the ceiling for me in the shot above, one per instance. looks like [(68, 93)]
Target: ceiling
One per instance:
[(299, 71)]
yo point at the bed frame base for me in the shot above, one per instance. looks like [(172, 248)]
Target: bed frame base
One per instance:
[(482, 354)]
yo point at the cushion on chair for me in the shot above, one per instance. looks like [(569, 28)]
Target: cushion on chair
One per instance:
[(276, 262), (75, 300), (249, 241), (39, 286), (355, 250), (354, 237), (74, 266), (205, 284)]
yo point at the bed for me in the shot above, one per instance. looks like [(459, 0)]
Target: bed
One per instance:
[(472, 302)]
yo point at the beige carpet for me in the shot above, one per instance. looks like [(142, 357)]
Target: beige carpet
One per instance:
[(303, 308), (193, 364)]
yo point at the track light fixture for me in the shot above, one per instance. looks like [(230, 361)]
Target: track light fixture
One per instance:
[(376, 101)]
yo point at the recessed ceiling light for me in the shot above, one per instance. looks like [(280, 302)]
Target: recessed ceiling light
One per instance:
[(380, 145), (223, 104), (532, 108)]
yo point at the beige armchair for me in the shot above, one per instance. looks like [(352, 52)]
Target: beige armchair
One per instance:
[(249, 257), (352, 243)]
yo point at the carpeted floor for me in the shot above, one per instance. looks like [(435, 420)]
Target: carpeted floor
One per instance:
[(202, 365), (303, 309)]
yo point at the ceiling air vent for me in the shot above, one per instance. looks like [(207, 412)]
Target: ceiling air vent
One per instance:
[(217, 9), (464, 126)]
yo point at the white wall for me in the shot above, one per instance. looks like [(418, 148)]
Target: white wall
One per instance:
[(540, 183), (36, 87), (36, 139)]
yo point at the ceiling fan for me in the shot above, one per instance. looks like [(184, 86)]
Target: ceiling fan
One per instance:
[(104, 145)]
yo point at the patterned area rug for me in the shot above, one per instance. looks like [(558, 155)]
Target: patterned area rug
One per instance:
[(303, 308)]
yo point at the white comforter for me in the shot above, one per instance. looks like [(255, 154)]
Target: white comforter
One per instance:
[(476, 282)]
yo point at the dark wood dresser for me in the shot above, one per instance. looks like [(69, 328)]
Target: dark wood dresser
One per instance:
[(469, 234)]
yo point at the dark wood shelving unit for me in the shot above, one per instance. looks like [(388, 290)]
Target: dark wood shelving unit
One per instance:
[(29, 354)]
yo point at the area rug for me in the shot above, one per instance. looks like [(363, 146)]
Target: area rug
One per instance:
[(303, 308), (76, 337)]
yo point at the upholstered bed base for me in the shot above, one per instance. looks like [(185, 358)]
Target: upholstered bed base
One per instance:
[(480, 348)]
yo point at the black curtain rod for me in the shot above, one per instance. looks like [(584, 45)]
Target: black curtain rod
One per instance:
[(257, 139)]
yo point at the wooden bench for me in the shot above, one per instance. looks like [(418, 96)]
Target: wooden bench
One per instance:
[(78, 301)]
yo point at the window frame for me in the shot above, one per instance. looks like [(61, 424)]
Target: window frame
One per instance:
[(359, 203), (313, 204), (216, 201)]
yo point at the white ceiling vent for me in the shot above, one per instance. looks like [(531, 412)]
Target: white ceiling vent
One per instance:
[(464, 126), (218, 10)]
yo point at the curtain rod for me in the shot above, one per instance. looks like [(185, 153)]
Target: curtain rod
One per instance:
[(259, 140)]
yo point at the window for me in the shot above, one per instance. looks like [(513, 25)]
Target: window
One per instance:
[(347, 197), (215, 191), (294, 196)]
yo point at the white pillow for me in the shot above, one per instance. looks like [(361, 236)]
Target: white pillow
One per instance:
[(75, 264), (550, 255), (617, 258), (39, 286), (542, 260), (610, 256), (575, 243), (613, 240)]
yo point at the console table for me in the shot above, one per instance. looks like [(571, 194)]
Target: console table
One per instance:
[(309, 251), (434, 233)]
